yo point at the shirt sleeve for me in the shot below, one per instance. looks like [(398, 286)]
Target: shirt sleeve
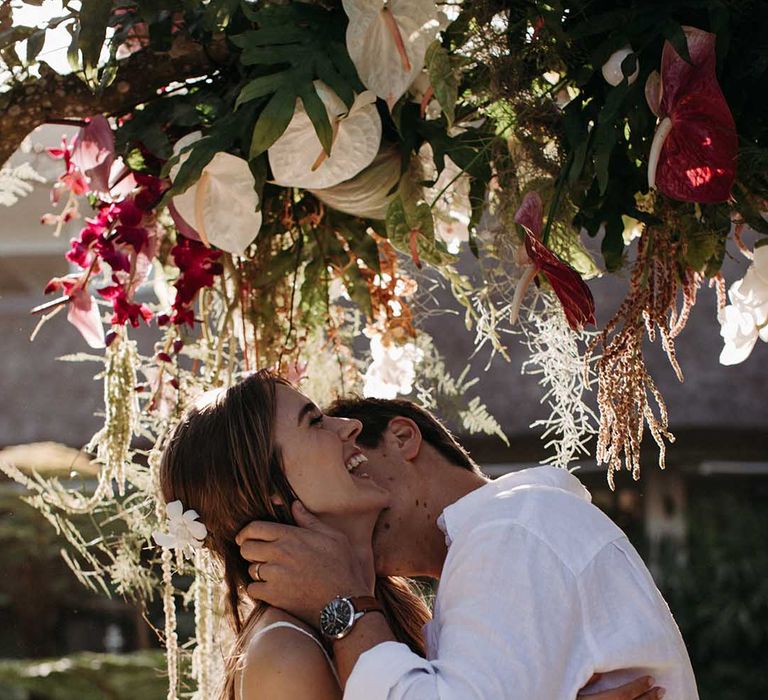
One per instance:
[(510, 626)]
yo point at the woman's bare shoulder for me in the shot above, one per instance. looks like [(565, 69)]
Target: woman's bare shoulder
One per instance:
[(286, 663)]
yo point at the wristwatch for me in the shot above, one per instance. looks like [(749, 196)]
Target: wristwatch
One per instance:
[(340, 615)]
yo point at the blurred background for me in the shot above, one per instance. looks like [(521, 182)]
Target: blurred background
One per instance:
[(701, 525)]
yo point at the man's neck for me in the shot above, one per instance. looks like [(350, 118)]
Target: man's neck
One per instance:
[(447, 484), (420, 548)]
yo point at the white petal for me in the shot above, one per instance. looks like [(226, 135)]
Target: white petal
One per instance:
[(227, 203), (190, 515), (734, 353), (197, 530), (372, 47), (612, 67), (760, 263), (357, 142), (174, 510), (164, 540), (369, 193)]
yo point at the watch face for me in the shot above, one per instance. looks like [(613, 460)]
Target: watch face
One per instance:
[(336, 617)]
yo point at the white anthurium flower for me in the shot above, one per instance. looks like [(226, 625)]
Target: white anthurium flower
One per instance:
[(297, 158), (745, 319), (422, 93), (392, 370), (612, 67), (632, 229), (184, 528), (221, 205), (387, 41), (370, 192), (452, 211)]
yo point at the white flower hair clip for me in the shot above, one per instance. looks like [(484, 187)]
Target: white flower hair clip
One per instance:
[(184, 528)]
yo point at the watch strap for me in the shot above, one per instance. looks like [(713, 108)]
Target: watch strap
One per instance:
[(365, 603)]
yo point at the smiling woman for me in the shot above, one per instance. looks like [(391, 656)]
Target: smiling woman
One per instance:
[(246, 454), (322, 462)]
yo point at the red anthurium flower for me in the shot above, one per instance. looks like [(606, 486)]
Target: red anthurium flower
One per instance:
[(693, 155), (94, 152), (571, 290)]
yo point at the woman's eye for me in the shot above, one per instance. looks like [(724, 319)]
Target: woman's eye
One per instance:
[(317, 420)]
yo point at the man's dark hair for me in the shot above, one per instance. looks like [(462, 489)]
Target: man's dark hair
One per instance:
[(375, 415)]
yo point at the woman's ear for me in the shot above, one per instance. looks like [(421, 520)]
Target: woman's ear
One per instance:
[(276, 500), (405, 437)]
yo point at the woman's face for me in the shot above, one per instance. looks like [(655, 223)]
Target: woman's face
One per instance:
[(320, 458)]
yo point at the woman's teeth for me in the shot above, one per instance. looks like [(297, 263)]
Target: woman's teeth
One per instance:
[(355, 461)]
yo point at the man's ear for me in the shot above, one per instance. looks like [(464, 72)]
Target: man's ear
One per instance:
[(405, 437)]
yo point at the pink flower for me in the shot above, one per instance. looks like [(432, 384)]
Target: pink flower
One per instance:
[(693, 155), (94, 152), (72, 179), (571, 290), (83, 313)]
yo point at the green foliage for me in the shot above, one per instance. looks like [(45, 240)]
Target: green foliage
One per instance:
[(718, 591), (443, 79), (85, 677), (293, 46)]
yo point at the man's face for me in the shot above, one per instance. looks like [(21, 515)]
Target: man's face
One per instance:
[(398, 535)]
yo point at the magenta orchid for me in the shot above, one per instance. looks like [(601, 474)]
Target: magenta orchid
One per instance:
[(693, 155)]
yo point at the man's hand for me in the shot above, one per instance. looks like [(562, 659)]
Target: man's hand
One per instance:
[(639, 689), (300, 569)]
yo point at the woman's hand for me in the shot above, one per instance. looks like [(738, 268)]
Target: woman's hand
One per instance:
[(640, 689)]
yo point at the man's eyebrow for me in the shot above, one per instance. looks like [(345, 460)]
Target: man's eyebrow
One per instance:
[(305, 409)]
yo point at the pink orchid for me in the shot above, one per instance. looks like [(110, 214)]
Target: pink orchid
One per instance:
[(693, 154), (94, 152), (82, 313), (571, 290), (72, 179)]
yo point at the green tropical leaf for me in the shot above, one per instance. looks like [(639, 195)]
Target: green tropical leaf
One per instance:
[(35, 44), (566, 243), (675, 35), (318, 115), (443, 79), (273, 120), (407, 223), (93, 18), (261, 87)]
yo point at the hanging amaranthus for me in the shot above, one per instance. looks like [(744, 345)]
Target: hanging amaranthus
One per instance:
[(624, 384)]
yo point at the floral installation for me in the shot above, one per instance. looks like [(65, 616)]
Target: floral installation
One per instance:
[(308, 173)]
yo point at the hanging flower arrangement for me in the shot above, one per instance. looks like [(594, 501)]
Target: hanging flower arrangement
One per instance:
[(307, 169)]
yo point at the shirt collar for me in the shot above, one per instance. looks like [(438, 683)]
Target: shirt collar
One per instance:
[(469, 508)]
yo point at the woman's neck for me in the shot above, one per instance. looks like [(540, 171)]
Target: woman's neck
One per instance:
[(359, 531)]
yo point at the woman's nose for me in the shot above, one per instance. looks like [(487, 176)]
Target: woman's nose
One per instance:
[(349, 428)]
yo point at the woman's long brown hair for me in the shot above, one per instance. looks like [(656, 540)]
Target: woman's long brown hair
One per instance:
[(222, 461)]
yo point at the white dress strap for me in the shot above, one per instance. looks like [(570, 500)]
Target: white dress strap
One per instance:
[(282, 623)]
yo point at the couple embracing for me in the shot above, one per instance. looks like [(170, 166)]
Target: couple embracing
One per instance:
[(317, 518)]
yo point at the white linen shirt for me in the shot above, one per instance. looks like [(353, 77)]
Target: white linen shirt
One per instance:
[(539, 590)]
